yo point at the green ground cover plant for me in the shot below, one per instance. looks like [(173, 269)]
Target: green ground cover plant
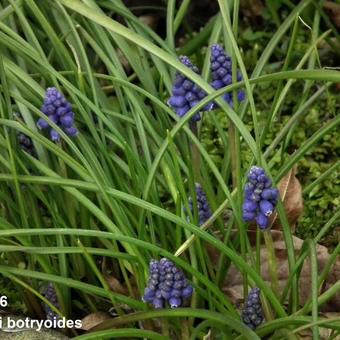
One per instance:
[(119, 160)]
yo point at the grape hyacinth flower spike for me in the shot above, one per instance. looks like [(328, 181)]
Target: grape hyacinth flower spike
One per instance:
[(24, 141), (252, 314), (260, 198), (26, 144), (59, 110), (166, 284), (221, 71), (185, 93), (50, 294), (203, 207)]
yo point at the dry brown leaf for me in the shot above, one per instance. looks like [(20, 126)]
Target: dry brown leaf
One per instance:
[(150, 20), (333, 10), (233, 285), (115, 285), (252, 8), (93, 320), (325, 333), (291, 196)]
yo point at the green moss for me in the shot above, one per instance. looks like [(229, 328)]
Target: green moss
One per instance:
[(13, 296), (321, 203)]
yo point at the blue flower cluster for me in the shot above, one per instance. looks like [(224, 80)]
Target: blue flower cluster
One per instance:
[(50, 294), (203, 207), (166, 283), (185, 93), (24, 141), (59, 110), (252, 314), (260, 197), (221, 71)]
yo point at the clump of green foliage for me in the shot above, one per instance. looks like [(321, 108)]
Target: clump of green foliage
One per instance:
[(88, 213)]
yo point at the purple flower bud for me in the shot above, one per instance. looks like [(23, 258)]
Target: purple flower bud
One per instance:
[(227, 80), (177, 101), (188, 84), (217, 84), (214, 65), (158, 294), (190, 96), (200, 94), (42, 124), (67, 120), (187, 292), (268, 183), (227, 98), (221, 72), (256, 197), (178, 284), (175, 302), (181, 111), (262, 221), (149, 295), (249, 187), (71, 131), (178, 91), (248, 216), (262, 178), (266, 208), (269, 194), (61, 111), (275, 194), (221, 58), (178, 276), (158, 303), (176, 293), (241, 96), (48, 109), (169, 276), (54, 135), (186, 61), (193, 103), (166, 294), (54, 118), (249, 206)]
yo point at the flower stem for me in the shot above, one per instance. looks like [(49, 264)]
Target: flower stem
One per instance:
[(272, 264), (196, 156), (234, 140)]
